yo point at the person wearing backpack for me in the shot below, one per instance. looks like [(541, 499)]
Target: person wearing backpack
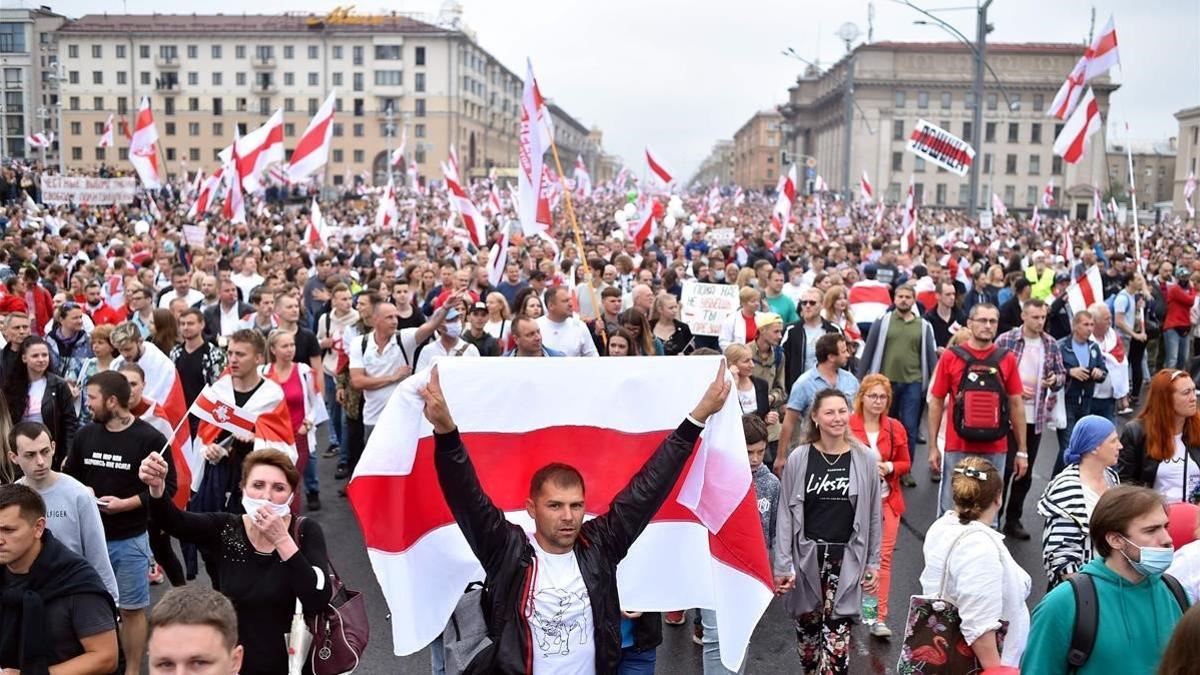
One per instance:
[(986, 403), (1118, 613)]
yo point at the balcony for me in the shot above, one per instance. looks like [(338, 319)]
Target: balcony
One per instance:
[(263, 62), (265, 88), (165, 85), (166, 62)]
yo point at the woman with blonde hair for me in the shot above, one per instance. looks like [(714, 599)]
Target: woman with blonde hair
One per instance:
[(103, 355), (745, 277), (673, 335), (835, 308), (740, 327), (498, 316), (752, 392), (1161, 448)]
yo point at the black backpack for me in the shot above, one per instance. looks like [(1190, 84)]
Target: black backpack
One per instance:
[(412, 363), (981, 402), (1087, 615)]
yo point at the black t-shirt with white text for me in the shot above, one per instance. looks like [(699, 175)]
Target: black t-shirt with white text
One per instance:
[(828, 511), (108, 463)]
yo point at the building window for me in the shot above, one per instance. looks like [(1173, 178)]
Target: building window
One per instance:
[(216, 51), (419, 82), (897, 162), (964, 191), (1031, 193), (419, 107), (264, 53), (289, 52), (1035, 165), (969, 100), (143, 51), (193, 51), (145, 78), (385, 78), (12, 29), (419, 56), (312, 52), (893, 192), (946, 100), (313, 104), (337, 155), (314, 79), (122, 106), (1014, 132), (419, 155), (1010, 164), (216, 79), (899, 98), (337, 79), (240, 78), (337, 128), (194, 154), (289, 79), (264, 106), (193, 79), (919, 165), (218, 106), (1056, 165), (97, 52), (922, 99), (359, 107), (337, 52), (419, 130), (289, 105), (239, 103), (919, 193), (387, 53), (987, 162), (77, 153), (289, 129), (122, 77), (358, 129), (967, 132), (169, 128), (991, 101), (358, 82), (77, 128), (123, 154), (357, 55), (100, 154), (939, 194), (73, 77), (120, 51), (897, 130), (1035, 133), (359, 156), (239, 51), (170, 152), (97, 77), (193, 128), (1039, 103), (989, 132), (1010, 194), (218, 128), (97, 103)]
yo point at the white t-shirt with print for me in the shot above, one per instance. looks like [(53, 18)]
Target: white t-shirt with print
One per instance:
[(1170, 479), (563, 634)]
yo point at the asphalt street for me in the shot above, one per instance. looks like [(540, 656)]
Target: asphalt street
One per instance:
[(772, 649)]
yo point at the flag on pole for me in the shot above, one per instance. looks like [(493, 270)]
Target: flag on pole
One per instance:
[(998, 208), (785, 197), (1189, 188), (583, 180), (1068, 94), (1048, 195), (533, 141), (143, 147), (204, 197), (1086, 291), (908, 223), (312, 150), (492, 205), (864, 188), (657, 168), (259, 149), (1068, 250), (315, 234), (498, 257), (1072, 142), (398, 153), (179, 439), (1102, 55), (40, 140), (462, 204), (387, 212), (1097, 208), (234, 208), (708, 526), (106, 137), (1035, 221), (819, 184), (646, 225)]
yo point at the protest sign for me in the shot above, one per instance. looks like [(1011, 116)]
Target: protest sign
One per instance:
[(941, 147), (721, 236), (703, 307), (85, 190)]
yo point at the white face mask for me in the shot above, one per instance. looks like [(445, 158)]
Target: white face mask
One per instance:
[(251, 505), (452, 330)]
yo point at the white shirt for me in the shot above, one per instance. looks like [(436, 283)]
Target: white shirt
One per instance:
[(437, 348), (1186, 568), (563, 635), (1172, 474), (1033, 358), (193, 296), (33, 403), (246, 283), (571, 337), (376, 363), (230, 321)]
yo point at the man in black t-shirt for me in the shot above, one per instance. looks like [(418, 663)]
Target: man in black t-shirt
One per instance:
[(105, 456), (198, 361), (308, 349), (77, 630)]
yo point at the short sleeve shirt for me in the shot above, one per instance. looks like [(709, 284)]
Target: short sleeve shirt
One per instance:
[(949, 372), (381, 363), (68, 620)]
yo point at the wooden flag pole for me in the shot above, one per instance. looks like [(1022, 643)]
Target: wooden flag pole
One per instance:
[(562, 179)]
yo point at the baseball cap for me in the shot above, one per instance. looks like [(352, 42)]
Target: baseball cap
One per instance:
[(766, 319), (452, 314), (479, 307)]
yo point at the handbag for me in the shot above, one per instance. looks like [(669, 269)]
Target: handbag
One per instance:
[(340, 630), (933, 638)]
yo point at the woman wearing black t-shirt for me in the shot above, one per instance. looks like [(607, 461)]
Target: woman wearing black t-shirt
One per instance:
[(828, 534)]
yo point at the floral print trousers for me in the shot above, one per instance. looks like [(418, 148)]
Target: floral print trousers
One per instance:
[(822, 641)]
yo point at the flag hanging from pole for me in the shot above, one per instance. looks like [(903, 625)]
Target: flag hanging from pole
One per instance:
[(1189, 188), (657, 168), (143, 147), (864, 188), (315, 234), (1086, 291), (781, 216), (312, 150), (998, 207), (908, 224), (1102, 55), (1068, 94), (1048, 195), (106, 137), (1072, 142), (1097, 209), (40, 140), (533, 141)]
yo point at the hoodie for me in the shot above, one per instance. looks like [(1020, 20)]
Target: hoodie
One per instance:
[(1135, 623)]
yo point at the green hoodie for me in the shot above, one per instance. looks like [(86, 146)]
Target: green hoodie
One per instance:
[(1135, 624)]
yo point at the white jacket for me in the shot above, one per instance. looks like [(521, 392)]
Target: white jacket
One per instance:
[(1186, 568), (733, 329), (314, 406), (984, 581)]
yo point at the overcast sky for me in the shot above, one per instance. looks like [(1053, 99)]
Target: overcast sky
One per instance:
[(679, 75)]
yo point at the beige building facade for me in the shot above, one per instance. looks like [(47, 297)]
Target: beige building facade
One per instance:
[(756, 151), (206, 74), (1153, 170), (28, 82), (895, 84), (717, 166), (1187, 158)]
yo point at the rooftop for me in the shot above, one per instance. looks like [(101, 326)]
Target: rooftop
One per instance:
[(247, 23), (992, 47)]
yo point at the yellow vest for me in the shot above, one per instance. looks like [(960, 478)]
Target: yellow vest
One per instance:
[(1042, 288)]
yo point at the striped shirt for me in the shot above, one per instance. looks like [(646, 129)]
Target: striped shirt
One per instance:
[(1066, 540)]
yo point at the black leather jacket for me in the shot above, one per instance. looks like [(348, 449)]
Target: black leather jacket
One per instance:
[(507, 556), (1134, 466)]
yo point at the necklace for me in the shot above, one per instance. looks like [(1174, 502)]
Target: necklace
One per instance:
[(837, 457)]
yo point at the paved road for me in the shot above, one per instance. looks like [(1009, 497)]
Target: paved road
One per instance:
[(772, 648)]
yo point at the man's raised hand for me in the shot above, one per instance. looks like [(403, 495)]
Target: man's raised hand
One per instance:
[(714, 396), (436, 410)]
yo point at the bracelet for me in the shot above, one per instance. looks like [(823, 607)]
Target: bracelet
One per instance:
[(1023, 455)]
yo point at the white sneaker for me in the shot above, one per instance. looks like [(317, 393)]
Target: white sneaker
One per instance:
[(880, 630)]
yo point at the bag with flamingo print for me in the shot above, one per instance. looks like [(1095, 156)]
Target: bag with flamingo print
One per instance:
[(933, 638)]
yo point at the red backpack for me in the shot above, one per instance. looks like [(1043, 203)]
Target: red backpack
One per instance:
[(981, 402)]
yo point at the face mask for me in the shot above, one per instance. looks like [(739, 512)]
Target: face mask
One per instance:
[(719, 275), (1154, 559), (452, 330), (251, 506)]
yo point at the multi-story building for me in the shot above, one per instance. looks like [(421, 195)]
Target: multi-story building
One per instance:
[(1153, 170), (604, 168), (29, 101), (1187, 161), (756, 151), (895, 84), (573, 140), (718, 166), (207, 74)]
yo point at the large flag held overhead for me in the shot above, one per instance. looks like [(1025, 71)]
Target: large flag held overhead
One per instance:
[(312, 150), (163, 386), (259, 149), (498, 256), (1072, 142), (1086, 291), (264, 417), (533, 207), (583, 180), (864, 188), (315, 234), (106, 137), (908, 223), (143, 147), (657, 168), (40, 140), (461, 203), (708, 527), (388, 211), (1189, 188), (781, 215)]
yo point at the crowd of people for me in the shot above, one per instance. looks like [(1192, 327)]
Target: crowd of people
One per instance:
[(851, 356)]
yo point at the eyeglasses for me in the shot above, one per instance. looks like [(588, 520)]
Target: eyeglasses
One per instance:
[(985, 321), (876, 397), (808, 303)]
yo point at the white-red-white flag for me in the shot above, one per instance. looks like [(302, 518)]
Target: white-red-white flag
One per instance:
[(1189, 188), (315, 234), (259, 149), (1070, 91), (583, 180), (708, 526), (908, 220), (414, 183), (491, 205), (106, 137), (462, 204), (1068, 250), (143, 146), (1097, 205), (657, 167), (739, 196), (264, 416), (312, 150), (533, 141), (208, 190), (234, 208), (388, 211), (1086, 291), (869, 299), (40, 140), (999, 210), (398, 153), (498, 256), (1072, 142), (864, 188), (1102, 55), (819, 184), (646, 225), (785, 198), (1035, 221), (1048, 195)]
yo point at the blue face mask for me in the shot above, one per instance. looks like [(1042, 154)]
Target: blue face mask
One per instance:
[(1154, 559)]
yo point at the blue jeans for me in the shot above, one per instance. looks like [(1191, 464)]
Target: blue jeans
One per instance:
[(437, 657), (949, 461), (712, 646), (311, 484), (337, 419), (634, 662), (1175, 349), (907, 400), (130, 560)]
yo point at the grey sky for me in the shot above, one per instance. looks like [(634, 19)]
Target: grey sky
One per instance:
[(679, 75)]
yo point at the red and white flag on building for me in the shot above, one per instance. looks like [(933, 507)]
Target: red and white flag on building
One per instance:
[(657, 168), (1189, 188), (583, 180), (864, 188), (1070, 91), (388, 211), (708, 526), (312, 150), (785, 199), (315, 234), (1102, 55), (1085, 121), (40, 140), (1087, 290), (106, 137), (1048, 195), (498, 256), (143, 147), (462, 204), (908, 223), (533, 141), (999, 210), (259, 149)]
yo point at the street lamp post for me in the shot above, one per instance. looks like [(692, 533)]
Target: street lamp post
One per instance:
[(981, 31)]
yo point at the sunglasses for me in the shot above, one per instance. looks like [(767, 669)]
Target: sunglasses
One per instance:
[(808, 303)]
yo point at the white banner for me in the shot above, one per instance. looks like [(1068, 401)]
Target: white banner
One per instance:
[(85, 190), (703, 307), (941, 147), (721, 236), (196, 236)]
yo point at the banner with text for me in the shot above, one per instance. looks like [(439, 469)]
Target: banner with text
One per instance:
[(85, 190), (941, 147), (703, 307)]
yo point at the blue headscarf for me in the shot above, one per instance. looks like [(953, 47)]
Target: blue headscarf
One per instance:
[(1089, 432)]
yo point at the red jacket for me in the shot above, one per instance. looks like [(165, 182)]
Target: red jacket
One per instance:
[(105, 314), (1179, 307), (893, 447), (42, 310)]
